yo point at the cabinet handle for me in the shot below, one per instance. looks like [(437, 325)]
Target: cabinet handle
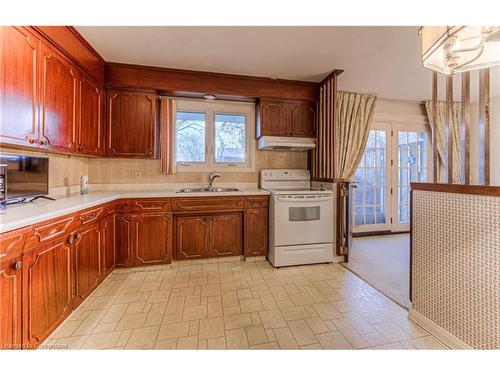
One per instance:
[(71, 240), (78, 236), (31, 139), (18, 265), (43, 142)]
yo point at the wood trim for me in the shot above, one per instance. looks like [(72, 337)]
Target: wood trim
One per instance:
[(484, 127), (182, 82), (493, 191), (435, 154), (449, 127), (465, 128)]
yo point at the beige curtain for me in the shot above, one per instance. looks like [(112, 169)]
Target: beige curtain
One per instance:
[(440, 120), (353, 119), (167, 135)]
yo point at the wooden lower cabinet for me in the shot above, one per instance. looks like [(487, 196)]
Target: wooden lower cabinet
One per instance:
[(108, 243), (10, 304), (192, 236), (152, 238), (256, 232), (47, 289), (226, 234), (87, 260), (123, 233)]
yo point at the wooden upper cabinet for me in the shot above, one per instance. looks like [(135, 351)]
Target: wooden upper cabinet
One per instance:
[(47, 289), (226, 230), (153, 238), (273, 119), (89, 133), (19, 58), (131, 124), (58, 102), (10, 304), (286, 119), (302, 120)]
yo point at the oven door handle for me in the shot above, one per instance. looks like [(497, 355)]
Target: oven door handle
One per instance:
[(305, 200)]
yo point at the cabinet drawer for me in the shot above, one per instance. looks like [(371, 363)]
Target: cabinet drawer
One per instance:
[(258, 201), (152, 205), (208, 203), (51, 229), (12, 243), (91, 215)]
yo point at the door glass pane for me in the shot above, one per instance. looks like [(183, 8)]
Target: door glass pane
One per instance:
[(412, 167), (190, 137), (369, 196)]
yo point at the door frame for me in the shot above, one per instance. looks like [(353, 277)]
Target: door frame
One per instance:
[(392, 122)]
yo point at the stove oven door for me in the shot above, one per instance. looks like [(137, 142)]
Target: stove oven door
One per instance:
[(303, 219)]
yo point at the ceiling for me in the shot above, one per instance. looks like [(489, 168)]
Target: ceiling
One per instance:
[(379, 60)]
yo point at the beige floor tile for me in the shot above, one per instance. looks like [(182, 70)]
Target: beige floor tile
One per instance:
[(75, 342), (173, 330), (295, 313), (285, 338), (132, 321), (210, 290), (300, 330), (214, 310), (392, 332), (256, 335), (391, 346), (244, 294), (375, 339), (316, 325), (333, 340), (187, 343), (143, 338), (166, 344), (114, 313), (301, 299), (266, 346), (211, 328), (251, 305), (326, 311), (194, 312), (272, 319), (236, 339), (194, 326), (311, 347), (351, 334), (237, 321), (102, 341), (217, 343), (124, 337), (426, 343), (66, 329)]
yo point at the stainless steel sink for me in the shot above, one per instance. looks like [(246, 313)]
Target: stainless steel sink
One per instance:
[(207, 190)]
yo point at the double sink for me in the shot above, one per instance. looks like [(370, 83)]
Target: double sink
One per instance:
[(207, 190)]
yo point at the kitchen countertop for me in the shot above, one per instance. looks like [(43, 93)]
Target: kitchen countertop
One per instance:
[(24, 214)]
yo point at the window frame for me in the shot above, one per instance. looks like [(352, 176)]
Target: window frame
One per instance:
[(211, 108)]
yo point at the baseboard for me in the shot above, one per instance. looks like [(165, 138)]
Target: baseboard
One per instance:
[(437, 331)]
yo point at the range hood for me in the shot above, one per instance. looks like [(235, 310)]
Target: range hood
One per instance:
[(286, 143)]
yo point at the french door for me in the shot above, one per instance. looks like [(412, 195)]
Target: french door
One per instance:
[(395, 155)]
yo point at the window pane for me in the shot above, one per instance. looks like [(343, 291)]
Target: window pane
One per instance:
[(230, 138), (190, 137)]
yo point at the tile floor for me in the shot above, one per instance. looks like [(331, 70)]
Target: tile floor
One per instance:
[(383, 261), (232, 304)]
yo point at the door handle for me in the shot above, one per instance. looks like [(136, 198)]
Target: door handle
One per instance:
[(18, 265)]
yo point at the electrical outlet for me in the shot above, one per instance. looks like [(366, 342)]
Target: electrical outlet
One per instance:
[(134, 175)]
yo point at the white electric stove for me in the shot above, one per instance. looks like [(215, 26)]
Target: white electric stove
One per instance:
[(300, 218)]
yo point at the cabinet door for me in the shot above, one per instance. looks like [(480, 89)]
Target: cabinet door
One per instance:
[(302, 120), (19, 51), (274, 119), (152, 238), (226, 234), (47, 289), (108, 244), (90, 117), (123, 232), (132, 124), (58, 109), (10, 304), (256, 232), (192, 237), (87, 250)]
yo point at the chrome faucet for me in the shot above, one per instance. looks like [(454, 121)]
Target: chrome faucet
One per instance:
[(211, 177)]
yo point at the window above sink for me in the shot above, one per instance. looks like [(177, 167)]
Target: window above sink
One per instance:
[(215, 135)]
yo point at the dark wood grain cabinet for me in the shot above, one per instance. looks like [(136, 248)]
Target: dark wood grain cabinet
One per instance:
[(152, 238), (10, 303), (132, 124), (87, 261), (123, 239), (286, 119), (90, 130), (19, 91), (108, 249), (47, 289), (192, 237), (226, 234), (256, 232), (59, 80)]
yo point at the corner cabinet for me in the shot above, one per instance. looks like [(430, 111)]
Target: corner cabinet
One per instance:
[(132, 124), (286, 119)]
